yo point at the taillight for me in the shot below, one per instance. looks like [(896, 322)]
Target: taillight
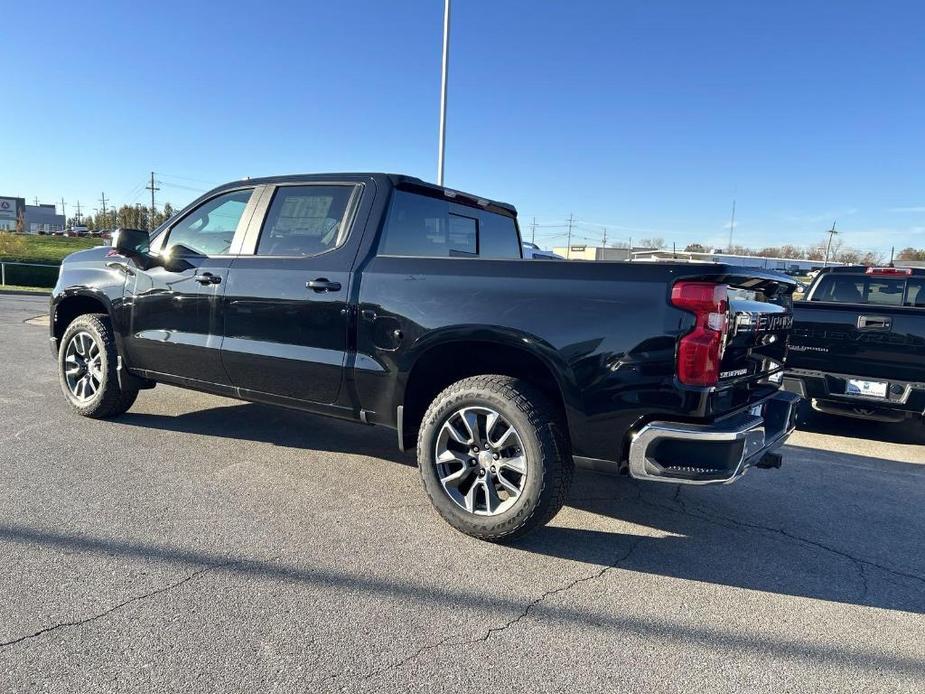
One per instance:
[(700, 351), (886, 271)]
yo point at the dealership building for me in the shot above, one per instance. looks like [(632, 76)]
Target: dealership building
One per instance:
[(36, 218)]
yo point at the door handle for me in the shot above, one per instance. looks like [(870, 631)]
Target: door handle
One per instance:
[(208, 278), (323, 284), (874, 322)]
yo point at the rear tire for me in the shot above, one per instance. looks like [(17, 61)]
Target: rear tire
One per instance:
[(88, 368), (483, 480)]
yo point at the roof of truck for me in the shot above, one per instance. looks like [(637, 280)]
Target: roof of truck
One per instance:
[(398, 180)]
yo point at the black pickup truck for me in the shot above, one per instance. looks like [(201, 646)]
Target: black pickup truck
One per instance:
[(858, 344), (387, 300)]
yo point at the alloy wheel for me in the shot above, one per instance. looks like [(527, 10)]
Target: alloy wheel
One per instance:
[(481, 463), (83, 366)]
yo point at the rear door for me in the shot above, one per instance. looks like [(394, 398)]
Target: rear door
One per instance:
[(286, 313), (862, 325)]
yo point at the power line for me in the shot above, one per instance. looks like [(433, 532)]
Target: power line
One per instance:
[(186, 178)]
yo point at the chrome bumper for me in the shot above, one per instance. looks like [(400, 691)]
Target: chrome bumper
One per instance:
[(716, 453)]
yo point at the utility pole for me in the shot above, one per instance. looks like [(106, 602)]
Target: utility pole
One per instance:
[(604, 240), (64, 210), (831, 232), (152, 187), (732, 225), (36, 200), (533, 231), (103, 203), (77, 216), (892, 251), (568, 249), (445, 74)]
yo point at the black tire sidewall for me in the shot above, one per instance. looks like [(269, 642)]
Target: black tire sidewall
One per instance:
[(473, 524), (98, 327)]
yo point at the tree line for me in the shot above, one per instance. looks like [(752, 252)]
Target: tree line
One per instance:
[(838, 252), (127, 217)]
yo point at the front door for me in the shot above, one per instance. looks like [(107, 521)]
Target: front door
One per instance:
[(175, 306), (285, 304)]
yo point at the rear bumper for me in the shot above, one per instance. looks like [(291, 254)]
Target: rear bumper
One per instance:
[(903, 397), (715, 453)]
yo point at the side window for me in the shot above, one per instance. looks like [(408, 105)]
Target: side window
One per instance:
[(497, 236), (209, 229), (915, 293), (427, 227), (840, 289), (305, 220)]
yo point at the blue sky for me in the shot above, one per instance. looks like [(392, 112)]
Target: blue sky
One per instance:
[(644, 116)]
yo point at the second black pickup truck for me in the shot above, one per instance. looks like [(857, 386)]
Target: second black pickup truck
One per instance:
[(858, 345), (386, 300)]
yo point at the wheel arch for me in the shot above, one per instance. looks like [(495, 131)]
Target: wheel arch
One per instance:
[(449, 356), (73, 303)]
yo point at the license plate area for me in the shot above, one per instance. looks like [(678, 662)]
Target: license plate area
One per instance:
[(869, 389)]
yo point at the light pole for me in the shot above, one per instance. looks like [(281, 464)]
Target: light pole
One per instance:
[(446, 67)]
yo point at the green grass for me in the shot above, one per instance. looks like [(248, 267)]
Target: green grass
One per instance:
[(42, 249), (22, 288)]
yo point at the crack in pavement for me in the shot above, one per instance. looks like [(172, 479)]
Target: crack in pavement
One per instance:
[(736, 524), (80, 622), (447, 640)]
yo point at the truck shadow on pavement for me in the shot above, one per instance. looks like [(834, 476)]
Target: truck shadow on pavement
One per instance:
[(751, 541), (505, 611), (772, 532), (280, 427)]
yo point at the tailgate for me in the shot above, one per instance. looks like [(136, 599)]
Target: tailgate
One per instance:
[(760, 320), (883, 342)]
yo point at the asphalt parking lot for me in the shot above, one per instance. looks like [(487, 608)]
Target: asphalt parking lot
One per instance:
[(202, 544)]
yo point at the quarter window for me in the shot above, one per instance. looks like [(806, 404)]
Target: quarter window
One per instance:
[(305, 220), (428, 227), (209, 229)]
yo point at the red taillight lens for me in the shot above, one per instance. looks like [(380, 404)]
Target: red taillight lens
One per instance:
[(700, 351)]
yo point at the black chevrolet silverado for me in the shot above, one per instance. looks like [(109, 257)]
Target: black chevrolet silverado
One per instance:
[(390, 301), (858, 344)]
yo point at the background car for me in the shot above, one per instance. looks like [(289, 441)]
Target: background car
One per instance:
[(534, 252)]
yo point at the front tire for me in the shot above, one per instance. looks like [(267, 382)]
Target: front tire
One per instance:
[(493, 457), (88, 368)]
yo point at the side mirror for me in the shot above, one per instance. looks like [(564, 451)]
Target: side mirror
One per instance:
[(132, 243)]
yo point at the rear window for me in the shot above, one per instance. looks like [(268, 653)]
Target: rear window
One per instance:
[(862, 289), (427, 227)]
